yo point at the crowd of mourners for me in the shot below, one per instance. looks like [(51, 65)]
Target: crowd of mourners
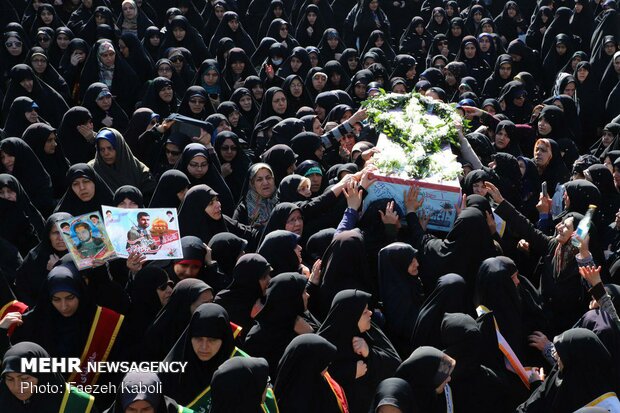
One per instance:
[(288, 298)]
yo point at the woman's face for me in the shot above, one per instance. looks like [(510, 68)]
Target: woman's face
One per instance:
[(164, 292), (332, 43), (39, 64), (363, 323), (413, 268), (296, 88), (122, 47), (129, 11), (399, 88), (484, 43), (317, 127), (99, 19), (279, 103), (438, 17), (607, 138), (379, 41), (479, 188), (477, 16), (65, 303), (56, 241), (505, 70), (578, 8), (450, 79), (206, 347), (8, 194), (214, 209), (104, 103), (197, 104), (373, 5), (165, 70), (228, 150), (238, 66), (50, 144), (570, 89), (211, 77), (318, 82), (219, 12), (456, 31), (335, 78), (502, 140), (257, 92), (21, 385), (173, 153), (314, 59), (8, 161), (108, 58), (544, 128), (13, 46), (487, 28), (245, 102), (295, 64), (47, 17), (233, 119), (263, 183), (610, 48), (107, 151), (233, 25), (179, 33), (616, 176), (311, 17), (470, 51), (198, 166), (295, 222), (166, 94), (560, 49), (83, 188), (542, 155), (154, 41), (582, 74), (511, 12), (617, 65), (128, 204), (564, 230), (204, 297), (419, 29)]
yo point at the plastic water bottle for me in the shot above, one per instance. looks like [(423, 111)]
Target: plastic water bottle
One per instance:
[(584, 226)]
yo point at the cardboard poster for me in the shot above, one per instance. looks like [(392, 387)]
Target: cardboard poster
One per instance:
[(86, 239), (439, 199), (153, 232)]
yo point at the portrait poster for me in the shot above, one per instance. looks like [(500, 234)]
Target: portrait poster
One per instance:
[(440, 200), (153, 232), (86, 239)]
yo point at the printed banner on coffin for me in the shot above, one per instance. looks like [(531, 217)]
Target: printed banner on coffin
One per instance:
[(153, 232), (440, 200), (86, 239)]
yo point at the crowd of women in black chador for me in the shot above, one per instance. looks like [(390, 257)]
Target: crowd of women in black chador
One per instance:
[(289, 298)]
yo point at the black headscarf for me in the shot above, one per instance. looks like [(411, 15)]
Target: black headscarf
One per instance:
[(170, 184), (339, 328), (238, 385), (300, 372), (51, 104), (278, 247), (43, 402), (212, 178), (240, 37), (92, 94), (43, 324), (172, 319), (55, 164), (209, 320), (449, 296), (16, 121), (75, 146), (239, 164), (194, 220), (565, 390), (422, 371), (30, 173), (400, 292), (33, 271), (244, 290), (128, 192), (275, 323), (394, 392), (279, 157), (609, 203), (145, 303), (70, 202), (23, 223)]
